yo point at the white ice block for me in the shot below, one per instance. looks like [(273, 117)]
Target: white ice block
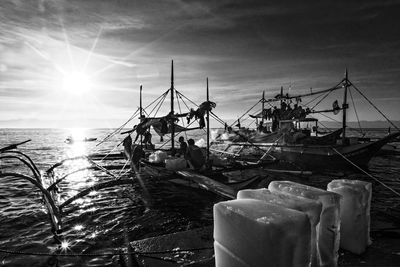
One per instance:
[(354, 213), (224, 257), (310, 207), (260, 234), (158, 156), (328, 233), (175, 164)]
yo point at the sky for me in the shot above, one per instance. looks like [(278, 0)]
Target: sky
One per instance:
[(80, 63)]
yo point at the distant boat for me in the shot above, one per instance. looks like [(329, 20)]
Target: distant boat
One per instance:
[(70, 139)]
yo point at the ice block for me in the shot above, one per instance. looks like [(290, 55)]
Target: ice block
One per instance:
[(223, 257), (260, 234), (354, 213), (309, 206), (328, 232)]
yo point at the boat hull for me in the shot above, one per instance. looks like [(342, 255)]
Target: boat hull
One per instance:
[(330, 157)]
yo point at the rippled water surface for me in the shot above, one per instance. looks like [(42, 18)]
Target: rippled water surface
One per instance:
[(104, 220)]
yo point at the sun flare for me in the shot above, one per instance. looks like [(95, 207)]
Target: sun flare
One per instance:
[(76, 83)]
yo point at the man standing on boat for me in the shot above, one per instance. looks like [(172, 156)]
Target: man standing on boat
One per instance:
[(147, 139), (195, 156), (133, 152)]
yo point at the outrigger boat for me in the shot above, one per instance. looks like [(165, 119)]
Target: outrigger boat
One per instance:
[(288, 140), (172, 164)]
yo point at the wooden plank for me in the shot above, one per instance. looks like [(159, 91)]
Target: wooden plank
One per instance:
[(209, 184)]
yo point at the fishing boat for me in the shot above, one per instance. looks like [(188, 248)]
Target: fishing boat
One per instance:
[(71, 140), (166, 160), (287, 139)]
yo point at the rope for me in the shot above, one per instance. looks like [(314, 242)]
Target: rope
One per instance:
[(166, 142), (355, 111), (351, 128), (106, 155), (182, 119), (118, 129), (119, 173), (372, 104), (183, 101), (246, 112), (164, 94), (374, 178), (325, 96), (312, 100), (217, 118), (160, 102), (186, 98), (211, 113)]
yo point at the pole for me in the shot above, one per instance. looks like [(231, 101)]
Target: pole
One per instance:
[(141, 114), (208, 126), (345, 106), (172, 110), (262, 110)]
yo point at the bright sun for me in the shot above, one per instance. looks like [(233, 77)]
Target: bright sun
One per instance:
[(76, 83)]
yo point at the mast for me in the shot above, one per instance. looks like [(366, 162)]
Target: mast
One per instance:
[(345, 106), (208, 126), (141, 114), (262, 110), (172, 110)]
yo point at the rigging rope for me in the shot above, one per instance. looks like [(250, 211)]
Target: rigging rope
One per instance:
[(119, 175), (159, 104), (374, 178), (182, 119), (372, 104), (118, 129), (355, 111), (312, 100), (325, 96), (211, 113), (246, 112)]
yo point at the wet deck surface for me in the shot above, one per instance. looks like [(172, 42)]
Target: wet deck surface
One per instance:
[(384, 251)]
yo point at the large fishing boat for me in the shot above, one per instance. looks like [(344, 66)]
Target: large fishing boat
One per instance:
[(292, 134)]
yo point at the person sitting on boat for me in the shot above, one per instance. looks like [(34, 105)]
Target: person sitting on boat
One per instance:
[(195, 156), (183, 146)]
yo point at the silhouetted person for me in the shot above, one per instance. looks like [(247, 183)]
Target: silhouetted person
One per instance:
[(183, 146), (147, 139), (194, 155), (133, 152)]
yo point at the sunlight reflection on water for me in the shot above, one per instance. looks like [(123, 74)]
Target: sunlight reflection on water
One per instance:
[(83, 177)]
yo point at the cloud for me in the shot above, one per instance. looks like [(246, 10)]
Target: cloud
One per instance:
[(243, 47)]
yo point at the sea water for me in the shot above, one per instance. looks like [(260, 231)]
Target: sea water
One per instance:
[(102, 221)]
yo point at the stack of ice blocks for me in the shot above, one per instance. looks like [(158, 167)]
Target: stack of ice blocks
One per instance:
[(354, 213), (250, 232), (310, 207), (328, 233)]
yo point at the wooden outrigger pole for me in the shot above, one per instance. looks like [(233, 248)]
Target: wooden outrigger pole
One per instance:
[(172, 110)]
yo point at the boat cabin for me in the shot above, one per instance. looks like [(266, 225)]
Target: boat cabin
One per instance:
[(300, 125)]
